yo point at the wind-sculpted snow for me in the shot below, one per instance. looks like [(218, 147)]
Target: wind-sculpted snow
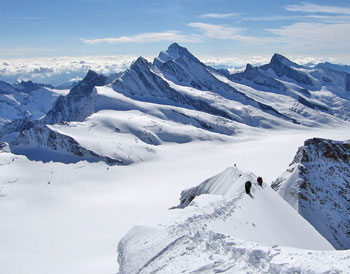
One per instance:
[(214, 228), (317, 185)]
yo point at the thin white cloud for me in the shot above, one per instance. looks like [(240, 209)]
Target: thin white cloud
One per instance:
[(234, 62), (59, 70), (149, 37), (319, 34), (222, 32), (219, 15), (304, 18), (315, 8)]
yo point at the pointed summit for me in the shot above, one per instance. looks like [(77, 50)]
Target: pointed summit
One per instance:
[(177, 51), (254, 75), (249, 67), (174, 52), (284, 67), (278, 59), (139, 63), (94, 78)]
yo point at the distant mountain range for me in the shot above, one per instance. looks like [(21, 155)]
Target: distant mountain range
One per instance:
[(180, 99)]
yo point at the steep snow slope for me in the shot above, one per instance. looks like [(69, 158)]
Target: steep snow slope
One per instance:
[(78, 104), (219, 215), (311, 112), (179, 66), (317, 185)]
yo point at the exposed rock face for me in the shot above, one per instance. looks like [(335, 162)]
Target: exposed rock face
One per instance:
[(79, 103), (44, 144), (253, 75), (29, 86), (317, 184), (284, 67), (347, 82), (17, 125)]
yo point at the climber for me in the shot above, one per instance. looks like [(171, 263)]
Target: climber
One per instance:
[(248, 185), (260, 181)]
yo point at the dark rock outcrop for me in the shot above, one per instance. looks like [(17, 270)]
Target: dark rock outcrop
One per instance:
[(317, 184)]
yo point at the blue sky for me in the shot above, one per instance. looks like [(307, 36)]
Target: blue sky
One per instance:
[(209, 28), (220, 32)]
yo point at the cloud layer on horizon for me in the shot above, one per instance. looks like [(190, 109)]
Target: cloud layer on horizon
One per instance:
[(59, 70)]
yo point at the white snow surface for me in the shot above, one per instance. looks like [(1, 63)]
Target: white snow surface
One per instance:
[(68, 218), (221, 214)]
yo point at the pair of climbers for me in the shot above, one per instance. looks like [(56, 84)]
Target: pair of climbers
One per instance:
[(248, 184)]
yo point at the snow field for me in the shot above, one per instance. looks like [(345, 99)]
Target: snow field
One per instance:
[(73, 225)]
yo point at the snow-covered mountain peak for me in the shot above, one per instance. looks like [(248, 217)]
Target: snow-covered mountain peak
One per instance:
[(317, 185), (174, 52), (140, 61), (283, 67), (29, 86), (141, 65), (278, 60), (94, 78), (78, 104)]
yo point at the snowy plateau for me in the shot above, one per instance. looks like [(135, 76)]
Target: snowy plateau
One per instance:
[(92, 172)]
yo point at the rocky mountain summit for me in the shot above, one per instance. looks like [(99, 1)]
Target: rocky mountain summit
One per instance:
[(317, 185)]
